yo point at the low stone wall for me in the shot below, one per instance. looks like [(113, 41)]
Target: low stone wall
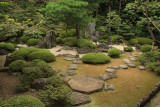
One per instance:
[(148, 98)]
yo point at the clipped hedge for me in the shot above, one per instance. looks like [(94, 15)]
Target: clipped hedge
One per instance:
[(128, 49), (96, 58), (17, 65), (42, 54), (58, 40), (133, 41), (71, 41), (33, 42), (146, 48), (85, 43), (7, 46), (114, 53), (117, 38), (24, 39), (144, 41), (22, 101)]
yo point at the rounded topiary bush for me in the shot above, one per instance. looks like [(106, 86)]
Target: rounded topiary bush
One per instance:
[(96, 58), (117, 38), (144, 41), (42, 54), (7, 46), (71, 41), (22, 101), (128, 49), (114, 53), (58, 39), (17, 66), (33, 42), (146, 48), (24, 39), (133, 41)]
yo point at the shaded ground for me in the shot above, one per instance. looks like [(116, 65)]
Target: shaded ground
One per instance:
[(2, 60), (155, 101)]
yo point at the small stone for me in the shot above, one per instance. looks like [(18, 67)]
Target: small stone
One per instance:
[(63, 73), (16, 48), (132, 65), (127, 61), (69, 59), (105, 76), (123, 66), (21, 46), (72, 72), (108, 87), (39, 83), (58, 50), (111, 70), (137, 87), (73, 67), (66, 78), (142, 67), (132, 58), (112, 75)]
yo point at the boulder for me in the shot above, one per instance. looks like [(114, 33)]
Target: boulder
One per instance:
[(73, 66), (132, 65), (21, 46), (123, 66), (41, 44), (103, 47), (39, 83), (85, 84), (79, 98), (141, 67), (50, 39), (84, 50), (108, 87)]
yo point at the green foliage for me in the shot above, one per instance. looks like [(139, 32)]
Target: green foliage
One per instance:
[(102, 41), (16, 66), (24, 39), (55, 81), (92, 46), (32, 42), (117, 38), (58, 39), (146, 48), (71, 41), (7, 46), (42, 54), (63, 40), (114, 52), (133, 41), (96, 58), (85, 43), (22, 101), (55, 96), (128, 49), (144, 41)]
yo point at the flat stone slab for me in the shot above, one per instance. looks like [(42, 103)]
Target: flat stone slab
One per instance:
[(77, 62), (113, 67), (141, 67), (79, 98), (127, 61), (72, 72), (69, 59), (132, 65), (132, 58), (85, 84), (108, 87), (73, 67), (105, 76), (123, 66), (110, 70)]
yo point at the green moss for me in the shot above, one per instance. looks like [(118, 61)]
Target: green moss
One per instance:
[(96, 58), (22, 101), (17, 65), (7, 46), (114, 52), (33, 42)]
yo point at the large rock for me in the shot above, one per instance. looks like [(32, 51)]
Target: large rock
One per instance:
[(86, 84), (2, 60), (50, 39), (4, 52), (73, 66), (21, 46), (103, 47), (41, 45), (79, 98), (39, 83), (84, 50)]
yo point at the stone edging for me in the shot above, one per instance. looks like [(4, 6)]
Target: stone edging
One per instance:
[(148, 98)]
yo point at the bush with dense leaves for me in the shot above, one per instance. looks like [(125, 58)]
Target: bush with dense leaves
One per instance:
[(146, 48), (96, 58), (128, 49), (117, 38), (42, 54), (71, 41), (7, 46), (144, 41), (33, 42), (17, 66), (133, 41), (114, 53), (85, 43), (58, 40), (55, 81), (22, 101), (24, 39)]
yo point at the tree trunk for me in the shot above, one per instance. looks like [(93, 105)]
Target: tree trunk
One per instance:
[(77, 32), (109, 29), (120, 6)]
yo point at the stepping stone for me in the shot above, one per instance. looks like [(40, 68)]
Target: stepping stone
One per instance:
[(134, 55), (105, 76), (132, 58), (57, 70), (113, 67), (123, 66), (113, 75), (108, 87), (77, 62), (79, 98), (66, 78), (85, 84), (64, 73), (127, 61), (73, 67), (141, 67), (69, 59), (72, 72), (21, 46), (110, 70), (132, 65)]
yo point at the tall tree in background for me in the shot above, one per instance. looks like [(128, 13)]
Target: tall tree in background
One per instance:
[(72, 13)]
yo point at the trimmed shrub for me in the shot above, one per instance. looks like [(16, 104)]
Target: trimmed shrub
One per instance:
[(7, 46), (114, 53), (17, 65), (55, 81), (71, 41), (92, 46), (58, 40), (85, 43), (102, 41), (96, 58), (128, 49), (22, 101), (146, 48), (63, 40), (24, 39), (133, 41), (33, 42), (42, 54), (144, 41), (117, 38)]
